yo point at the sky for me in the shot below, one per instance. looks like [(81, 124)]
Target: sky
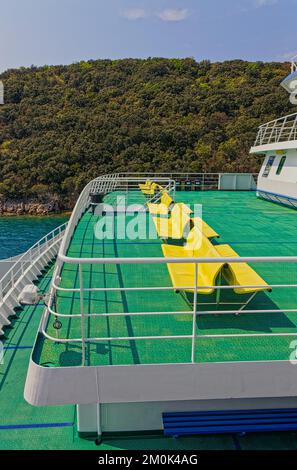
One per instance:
[(50, 32)]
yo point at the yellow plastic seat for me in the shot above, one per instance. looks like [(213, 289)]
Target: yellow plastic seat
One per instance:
[(145, 186), (205, 228), (163, 207), (241, 274), (199, 246), (151, 190), (183, 274), (174, 227)]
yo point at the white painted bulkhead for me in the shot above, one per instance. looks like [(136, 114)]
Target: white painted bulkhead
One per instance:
[(133, 398), (277, 179), (147, 416)]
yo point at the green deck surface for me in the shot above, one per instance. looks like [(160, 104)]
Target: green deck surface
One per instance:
[(252, 227), (16, 411)]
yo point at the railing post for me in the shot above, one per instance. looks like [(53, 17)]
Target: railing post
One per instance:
[(12, 279), (194, 313), (293, 130), (81, 289), (281, 129), (273, 132)]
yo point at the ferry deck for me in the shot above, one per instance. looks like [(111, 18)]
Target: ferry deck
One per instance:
[(261, 334), (253, 227)]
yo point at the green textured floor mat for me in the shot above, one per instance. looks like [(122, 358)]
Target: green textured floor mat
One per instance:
[(264, 229), (253, 227)]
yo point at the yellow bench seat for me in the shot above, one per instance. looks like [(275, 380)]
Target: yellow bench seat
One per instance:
[(163, 207), (199, 246), (150, 191), (176, 226), (145, 186), (241, 274), (208, 231), (183, 274)]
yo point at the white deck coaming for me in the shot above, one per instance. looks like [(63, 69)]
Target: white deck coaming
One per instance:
[(276, 146), (159, 382)]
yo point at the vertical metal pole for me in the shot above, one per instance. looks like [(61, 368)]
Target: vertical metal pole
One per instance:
[(99, 430), (82, 315), (278, 137), (194, 313), (12, 278), (218, 290)]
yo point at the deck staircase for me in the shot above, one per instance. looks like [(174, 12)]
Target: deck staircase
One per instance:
[(26, 269)]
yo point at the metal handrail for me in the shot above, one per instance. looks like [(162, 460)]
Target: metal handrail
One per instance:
[(280, 130), (9, 279), (294, 64), (82, 316), (105, 184)]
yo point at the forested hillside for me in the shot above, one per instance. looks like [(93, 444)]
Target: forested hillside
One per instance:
[(62, 125)]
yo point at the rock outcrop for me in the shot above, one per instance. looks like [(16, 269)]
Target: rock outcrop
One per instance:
[(30, 207)]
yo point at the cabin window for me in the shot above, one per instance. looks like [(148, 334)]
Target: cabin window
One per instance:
[(280, 165), (268, 166)]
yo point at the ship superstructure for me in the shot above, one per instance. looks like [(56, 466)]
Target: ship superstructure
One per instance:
[(276, 141)]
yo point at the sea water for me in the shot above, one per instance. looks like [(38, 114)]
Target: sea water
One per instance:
[(18, 234)]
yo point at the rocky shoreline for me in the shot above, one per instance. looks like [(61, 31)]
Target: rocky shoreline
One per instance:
[(31, 208)]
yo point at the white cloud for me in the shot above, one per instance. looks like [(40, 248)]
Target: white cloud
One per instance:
[(265, 3), (134, 13), (173, 15)]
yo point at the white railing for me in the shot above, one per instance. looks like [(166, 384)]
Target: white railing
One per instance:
[(202, 180), (294, 64), (104, 184), (196, 312), (8, 281), (128, 182), (280, 130)]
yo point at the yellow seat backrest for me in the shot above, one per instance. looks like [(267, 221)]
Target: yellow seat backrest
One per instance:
[(179, 215), (199, 245), (179, 221), (166, 199), (177, 212)]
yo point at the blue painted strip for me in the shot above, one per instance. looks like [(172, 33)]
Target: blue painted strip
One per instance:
[(288, 198), (17, 347), (236, 442), (32, 426), (184, 431), (182, 414)]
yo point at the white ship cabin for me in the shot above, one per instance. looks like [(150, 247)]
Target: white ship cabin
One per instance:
[(277, 142), (289, 83)]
